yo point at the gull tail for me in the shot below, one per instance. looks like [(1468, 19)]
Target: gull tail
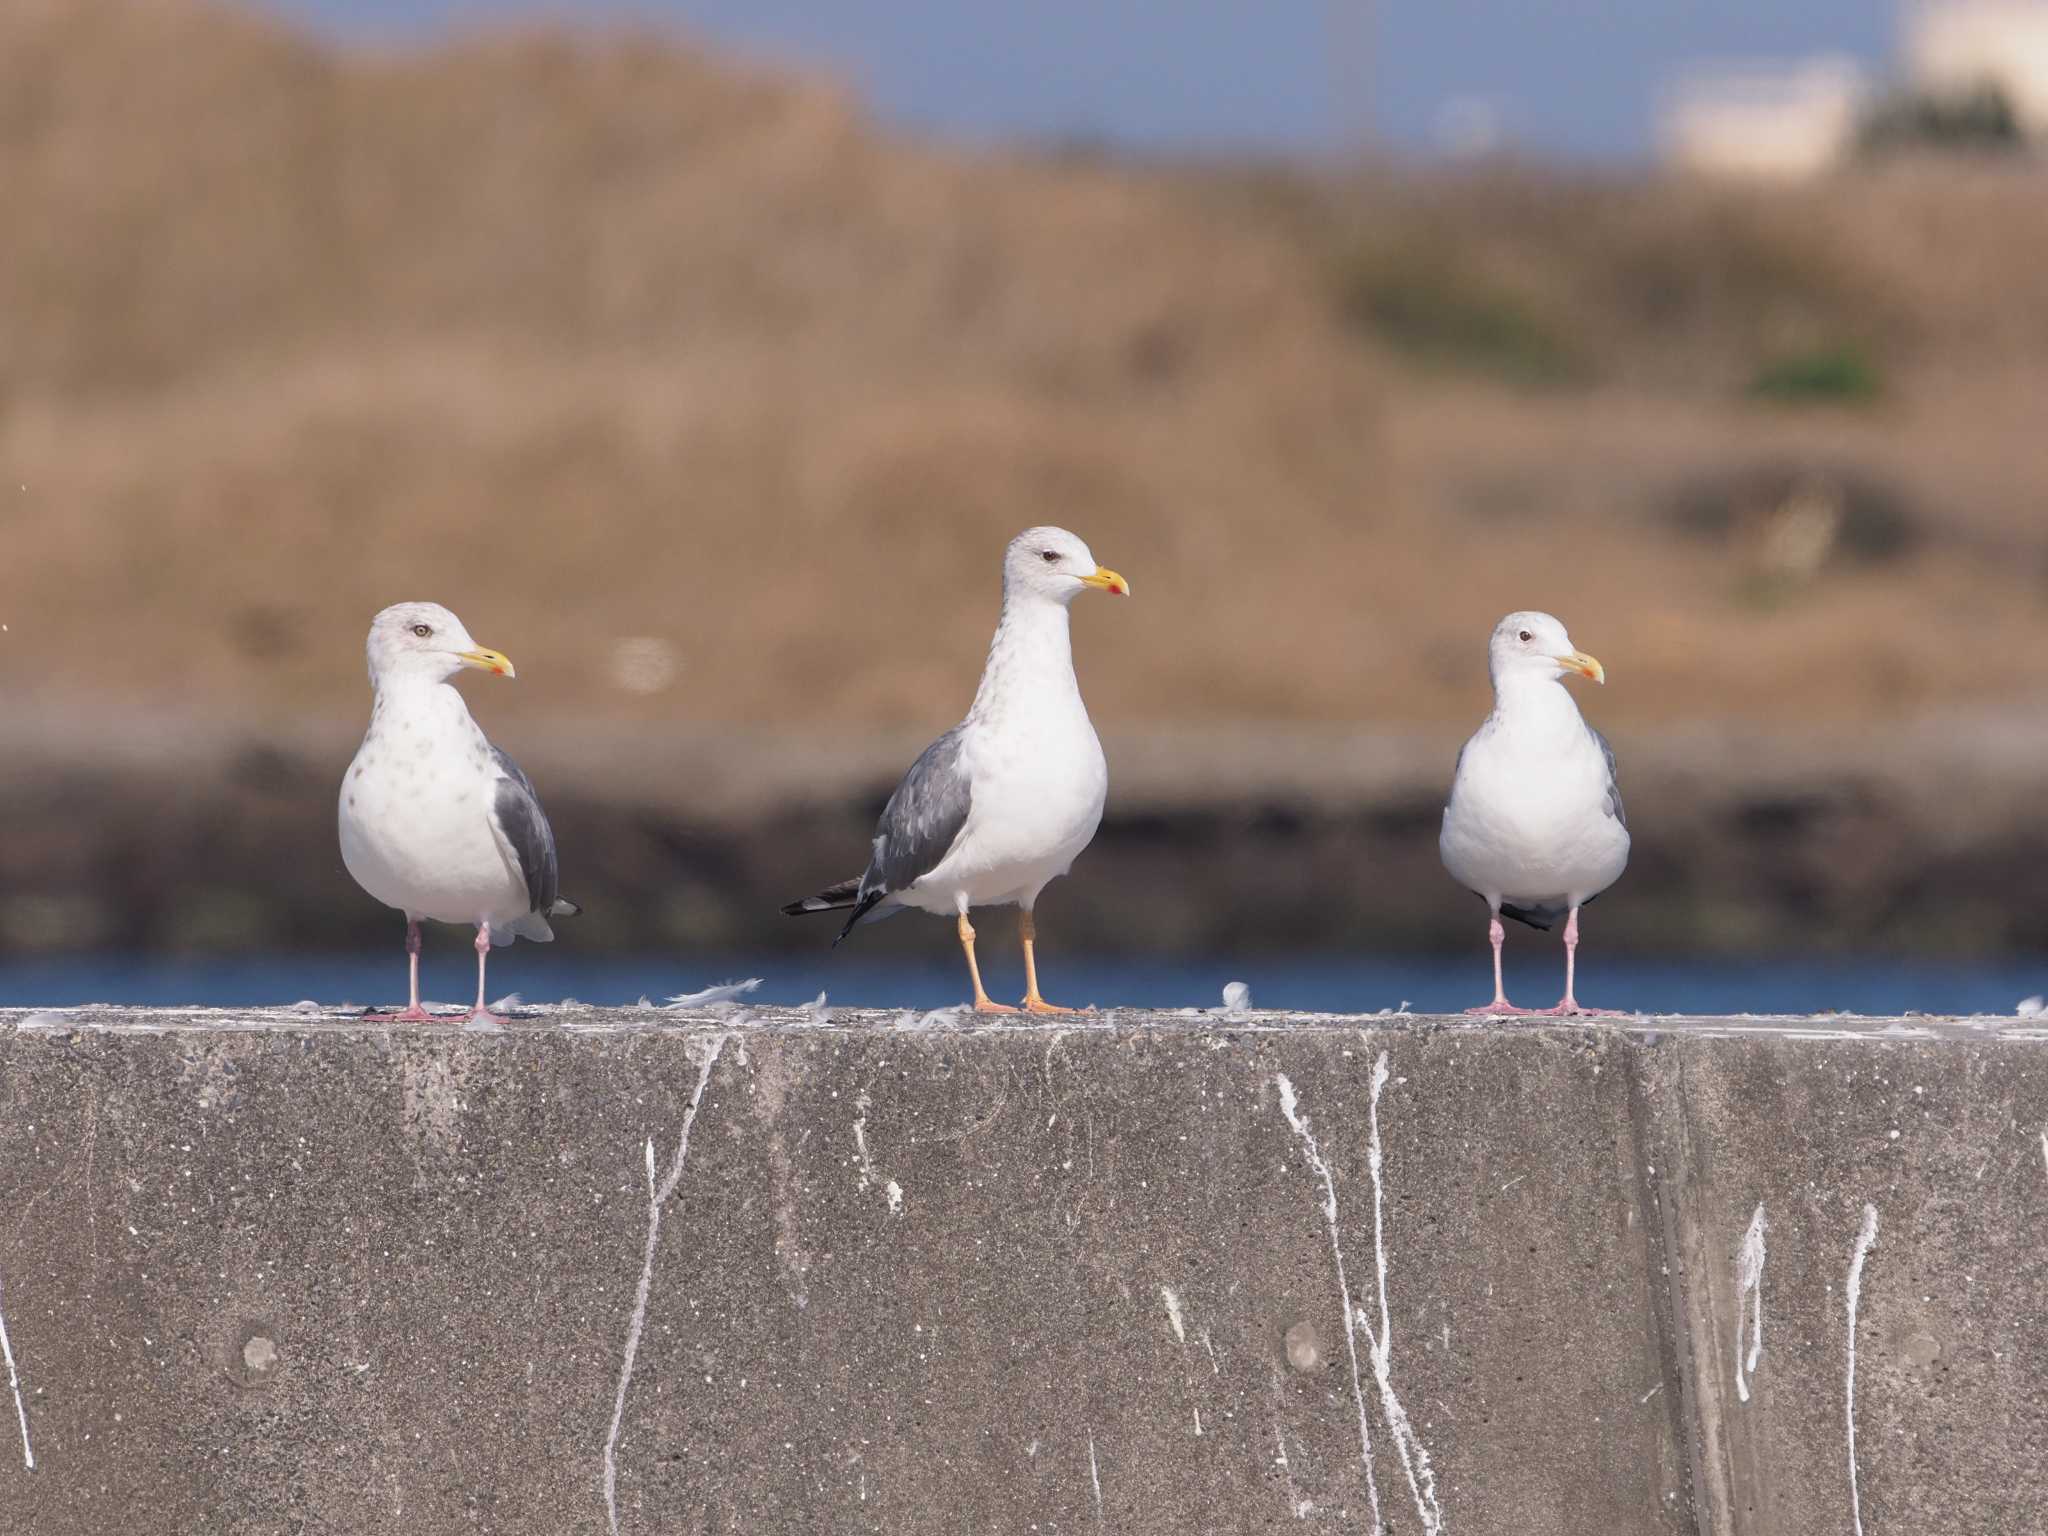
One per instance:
[(1541, 914), (534, 926), (845, 894), (838, 897), (1536, 916)]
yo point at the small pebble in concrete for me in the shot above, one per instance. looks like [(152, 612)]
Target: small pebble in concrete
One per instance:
[(1304, 1348), (253, 1356)]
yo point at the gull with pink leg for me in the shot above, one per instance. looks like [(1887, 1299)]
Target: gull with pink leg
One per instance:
[(1535, 825), (434, 820)]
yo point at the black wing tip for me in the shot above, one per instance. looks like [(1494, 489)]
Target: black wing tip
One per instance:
[(830, 899), (861, 910), (1539, 918)]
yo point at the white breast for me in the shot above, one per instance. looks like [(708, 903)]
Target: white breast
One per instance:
[(1040, 784), (1532, 826), (416, 823)]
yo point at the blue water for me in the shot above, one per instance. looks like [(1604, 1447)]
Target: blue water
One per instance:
[(1365, 983)]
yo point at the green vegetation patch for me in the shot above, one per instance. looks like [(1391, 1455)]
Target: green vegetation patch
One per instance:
[(1977, 118), (1842, 374), (1438, 316)]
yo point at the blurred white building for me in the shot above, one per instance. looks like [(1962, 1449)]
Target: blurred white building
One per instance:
[(1773, 121), (1468, 127), (1951, 46)]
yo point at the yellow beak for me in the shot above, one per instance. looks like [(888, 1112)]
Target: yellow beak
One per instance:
[(1108, 581), (1584, 665), (497, 663)]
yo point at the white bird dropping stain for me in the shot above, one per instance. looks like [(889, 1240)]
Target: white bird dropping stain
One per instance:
[(860, 1141), (1865, 1241), (1301, 1508), (28, 1455), (868, 1177), (1315, 1160), (1749, 1281), (656, 1198), (1180, 1332), (1173, 1312), (1414, 1456)]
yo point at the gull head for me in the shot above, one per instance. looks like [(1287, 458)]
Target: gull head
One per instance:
[(425, 642), (1534, 645), (1053, 563)]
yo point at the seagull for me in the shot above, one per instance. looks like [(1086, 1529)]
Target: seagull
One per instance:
[(1000, 805), (1535, 824), (436, 821)]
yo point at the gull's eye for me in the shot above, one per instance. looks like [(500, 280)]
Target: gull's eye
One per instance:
[(1527, 637), (1049, 556), (424, 630)]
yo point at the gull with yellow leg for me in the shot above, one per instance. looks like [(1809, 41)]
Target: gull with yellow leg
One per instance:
[(1002, 804)]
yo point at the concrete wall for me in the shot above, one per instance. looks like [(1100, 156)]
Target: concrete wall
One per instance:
[(276, 1273)]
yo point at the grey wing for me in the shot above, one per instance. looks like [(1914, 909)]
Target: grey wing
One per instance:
[(526, 828), (1457, 768), (1614, 805), (922, 820)]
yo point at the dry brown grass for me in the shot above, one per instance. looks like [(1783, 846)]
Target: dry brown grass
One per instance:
[(597, 337)]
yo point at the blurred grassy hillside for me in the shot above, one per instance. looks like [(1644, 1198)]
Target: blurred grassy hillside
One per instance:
[(710, 401)]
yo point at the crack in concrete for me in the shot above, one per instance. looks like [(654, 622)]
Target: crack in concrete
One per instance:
[(656, 1197), (1866, 1239), (1175, 1319), (28, 1455), (1095, 1477), (1315, 1160), (1301, 1508), (1407, 1444)]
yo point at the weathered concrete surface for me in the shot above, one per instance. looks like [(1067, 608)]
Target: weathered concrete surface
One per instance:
[(282, 1272)]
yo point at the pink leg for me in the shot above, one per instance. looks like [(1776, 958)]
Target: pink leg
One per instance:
[(481, 1014), (1570, 1004), (1497, 936), (414, 1013)]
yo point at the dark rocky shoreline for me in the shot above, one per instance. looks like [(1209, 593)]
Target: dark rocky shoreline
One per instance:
[(1928, 842)]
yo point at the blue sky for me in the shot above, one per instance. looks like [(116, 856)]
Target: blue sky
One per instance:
[(1577, 78)]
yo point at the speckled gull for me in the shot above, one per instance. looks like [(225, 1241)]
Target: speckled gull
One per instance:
[(1002, 804), (436, 821), (1535, 823)]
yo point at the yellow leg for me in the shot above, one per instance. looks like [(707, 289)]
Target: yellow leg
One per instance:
[(983, 1003), (1027, 929)]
